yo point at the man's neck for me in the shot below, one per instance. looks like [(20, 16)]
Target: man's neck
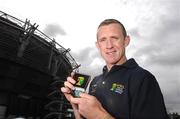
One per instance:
[(120, 62)]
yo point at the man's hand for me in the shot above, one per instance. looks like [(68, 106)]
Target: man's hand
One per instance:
[(66, 90), (90, 107), (68, 87), (86, 105)]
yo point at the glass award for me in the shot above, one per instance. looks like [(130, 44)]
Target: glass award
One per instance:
[(81, 84)]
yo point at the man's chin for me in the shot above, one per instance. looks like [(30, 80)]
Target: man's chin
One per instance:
[(112, 62)]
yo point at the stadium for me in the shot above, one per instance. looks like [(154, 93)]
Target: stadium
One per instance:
[(32, 68)]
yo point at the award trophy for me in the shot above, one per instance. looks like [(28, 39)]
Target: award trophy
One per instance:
[(81, 84)]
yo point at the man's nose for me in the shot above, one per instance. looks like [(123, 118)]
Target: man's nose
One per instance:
[(109, 43)]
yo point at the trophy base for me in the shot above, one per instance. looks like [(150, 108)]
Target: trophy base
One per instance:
[(78, 91)]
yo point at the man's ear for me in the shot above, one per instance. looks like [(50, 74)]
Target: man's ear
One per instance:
[(97, 45), (127, 40)]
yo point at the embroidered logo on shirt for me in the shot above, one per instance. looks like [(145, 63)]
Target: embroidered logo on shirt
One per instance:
[(118, 88)]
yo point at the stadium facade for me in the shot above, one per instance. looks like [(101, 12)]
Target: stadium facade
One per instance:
[(32, 68)]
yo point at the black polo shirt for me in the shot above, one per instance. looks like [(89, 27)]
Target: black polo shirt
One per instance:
[(129, 92)]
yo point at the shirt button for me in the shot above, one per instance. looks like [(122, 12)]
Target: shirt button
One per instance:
[(103, 82)]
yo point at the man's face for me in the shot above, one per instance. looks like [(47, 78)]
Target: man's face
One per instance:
[(111, 44)]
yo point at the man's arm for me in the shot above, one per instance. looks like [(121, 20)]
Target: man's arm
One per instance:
[(147, 100)]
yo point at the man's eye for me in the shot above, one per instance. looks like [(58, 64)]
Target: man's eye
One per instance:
[(115, 38), (102, 40)]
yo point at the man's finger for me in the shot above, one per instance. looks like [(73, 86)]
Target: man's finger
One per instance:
[(68, 96), (72, 74), (85, 95), (71, 80), (68, 85), (65, 90), (75, 100)]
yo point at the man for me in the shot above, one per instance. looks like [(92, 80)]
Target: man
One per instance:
[(124, 90)]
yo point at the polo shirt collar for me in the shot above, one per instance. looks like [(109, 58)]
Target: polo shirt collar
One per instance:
[(131, 63)]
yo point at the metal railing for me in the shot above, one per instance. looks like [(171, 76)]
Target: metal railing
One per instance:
[(19, 24)]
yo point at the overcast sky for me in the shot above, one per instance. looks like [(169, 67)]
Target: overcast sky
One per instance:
[(154, 27)]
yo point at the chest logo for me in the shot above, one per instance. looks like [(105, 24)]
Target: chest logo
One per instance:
[(118, 88)]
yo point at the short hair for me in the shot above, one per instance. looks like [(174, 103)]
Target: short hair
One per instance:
[(111, 21)]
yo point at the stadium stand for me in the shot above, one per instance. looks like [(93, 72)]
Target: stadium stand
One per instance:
[(32, 68)]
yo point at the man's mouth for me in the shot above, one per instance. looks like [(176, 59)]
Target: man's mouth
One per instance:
[(110, 53)]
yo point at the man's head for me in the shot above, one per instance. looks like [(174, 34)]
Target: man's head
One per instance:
[(112, 40), (111, 21)]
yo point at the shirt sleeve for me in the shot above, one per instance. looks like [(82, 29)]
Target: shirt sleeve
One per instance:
[(147, 101)]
